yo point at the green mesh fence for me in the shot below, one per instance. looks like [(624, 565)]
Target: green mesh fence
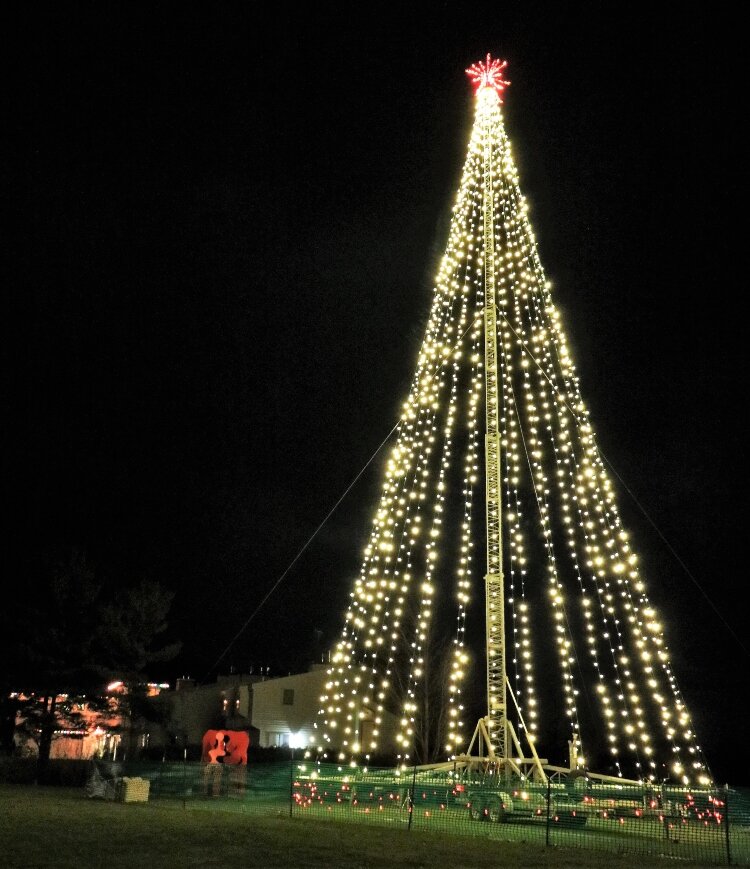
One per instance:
[(710, 827), (260, 789)]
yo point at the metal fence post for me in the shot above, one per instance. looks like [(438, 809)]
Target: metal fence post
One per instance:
[(291, 781), (411, 796), (726, 825), (549, 804), (184, 780)]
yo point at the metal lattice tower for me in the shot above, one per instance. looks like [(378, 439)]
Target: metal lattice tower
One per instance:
[(494, 587)]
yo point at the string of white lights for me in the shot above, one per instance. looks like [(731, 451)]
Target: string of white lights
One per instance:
[(553, 480)]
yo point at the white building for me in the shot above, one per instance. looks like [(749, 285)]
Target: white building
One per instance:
[(285, 710), (276, 712)]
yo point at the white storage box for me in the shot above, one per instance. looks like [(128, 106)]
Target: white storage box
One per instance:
[(134, 790)]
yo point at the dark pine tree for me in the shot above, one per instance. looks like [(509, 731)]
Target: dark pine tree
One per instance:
[(73, 637)]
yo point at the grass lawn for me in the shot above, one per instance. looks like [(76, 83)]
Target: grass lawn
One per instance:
[(57, 827)]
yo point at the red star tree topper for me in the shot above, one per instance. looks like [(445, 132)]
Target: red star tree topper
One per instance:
[(489, 74)]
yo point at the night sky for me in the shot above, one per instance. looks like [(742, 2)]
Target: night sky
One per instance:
[(228, 221)]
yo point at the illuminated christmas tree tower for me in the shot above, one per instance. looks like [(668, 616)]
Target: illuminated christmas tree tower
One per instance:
[(495, 450)]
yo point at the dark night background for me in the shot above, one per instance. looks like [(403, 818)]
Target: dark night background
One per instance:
[(228, 217)]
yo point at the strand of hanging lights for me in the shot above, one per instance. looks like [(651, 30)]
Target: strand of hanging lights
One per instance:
[(562, 528)]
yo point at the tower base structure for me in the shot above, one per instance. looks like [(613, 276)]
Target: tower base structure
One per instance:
[(524, 765)]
